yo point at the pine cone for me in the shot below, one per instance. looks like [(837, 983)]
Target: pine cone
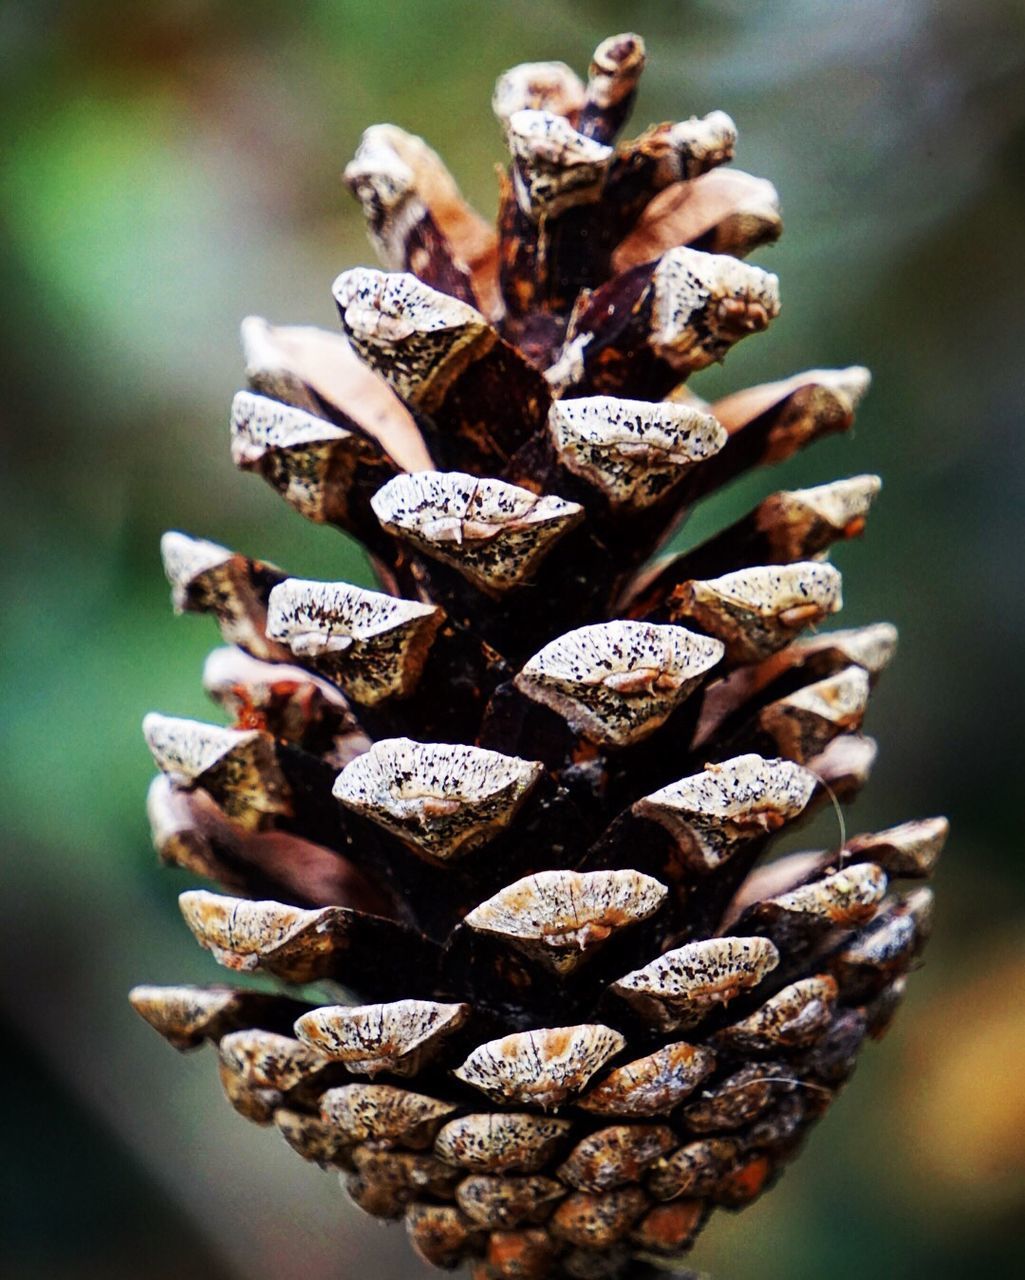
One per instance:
[(513, 809)]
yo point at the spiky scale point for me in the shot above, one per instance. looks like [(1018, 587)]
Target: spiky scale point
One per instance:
[(803, 723), (690, 289), (243, 934), (303, 946), (188, 1016), (871, 647), (207, 578), (382, 312), (687, 149), (556, 762), (843, 898), (682, 314), (841, 506), (265, 1060)]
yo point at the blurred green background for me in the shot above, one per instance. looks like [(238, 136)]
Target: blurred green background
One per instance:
[(171, 166)]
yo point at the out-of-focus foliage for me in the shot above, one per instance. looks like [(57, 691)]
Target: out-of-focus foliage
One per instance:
[(169, 167)]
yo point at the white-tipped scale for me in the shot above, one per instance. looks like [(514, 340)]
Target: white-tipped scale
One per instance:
[(441, 799), (295, 944), (634, 451), (617, 682), (704, 302), (844, 898), (266, 1060), (840, 504), (208, 578), (501, 1142), (309, 460), (309, 367), (872, 647), (687, 149), (237, 766), (556, 168), (187, 559), (384, 1114), (186, 1015), (374, 645), (560, 916), (758, 611), (537, 86), (398, 1037), (494, 533), (681, 987), (419, 338), (543, 1067), (804, 722), (792, 1018), (712, 813)]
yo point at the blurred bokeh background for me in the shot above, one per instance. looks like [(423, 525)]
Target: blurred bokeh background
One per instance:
[(169, 167)]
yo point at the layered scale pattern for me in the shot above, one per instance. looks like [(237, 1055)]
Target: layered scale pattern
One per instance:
[(502, 828)]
